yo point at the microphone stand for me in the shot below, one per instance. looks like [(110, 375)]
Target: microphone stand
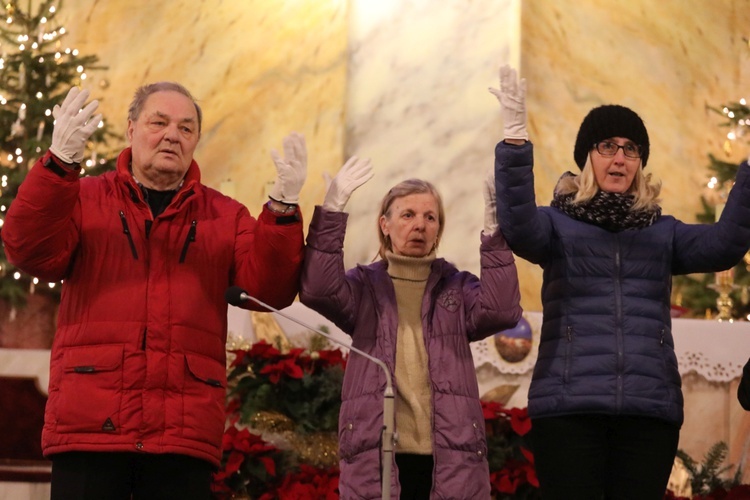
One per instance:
[(388, 436)]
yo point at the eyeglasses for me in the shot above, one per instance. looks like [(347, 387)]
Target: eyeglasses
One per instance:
[(609, 148)]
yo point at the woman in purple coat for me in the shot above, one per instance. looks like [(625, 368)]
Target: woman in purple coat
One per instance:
[(417, 313)]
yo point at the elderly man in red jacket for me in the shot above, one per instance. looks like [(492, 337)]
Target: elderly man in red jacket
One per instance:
[(137, 378)]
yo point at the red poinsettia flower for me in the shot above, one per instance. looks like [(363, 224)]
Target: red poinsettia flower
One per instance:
[(332, 358), (491, 410), (514, 474), (234, 461), (530, 469), (310, 483), (233, 406), (259, 350), (286, 367), (520, 421)]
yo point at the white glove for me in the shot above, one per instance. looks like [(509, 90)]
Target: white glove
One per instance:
[(490, 203), (352, 175), (512, 97), (291, 170), (73, 126)]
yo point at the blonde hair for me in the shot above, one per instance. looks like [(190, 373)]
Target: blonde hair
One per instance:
[(645, 192), (405, 188)]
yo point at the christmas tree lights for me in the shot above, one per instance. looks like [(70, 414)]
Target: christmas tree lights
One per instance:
[(694, 293), (36, 72)]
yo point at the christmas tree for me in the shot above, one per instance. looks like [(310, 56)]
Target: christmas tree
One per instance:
[(36, 72), (697, 293)]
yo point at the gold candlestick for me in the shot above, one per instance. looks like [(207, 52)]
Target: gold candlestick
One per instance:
[(724, 284)]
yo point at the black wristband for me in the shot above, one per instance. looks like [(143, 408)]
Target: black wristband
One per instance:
[(52, 165)]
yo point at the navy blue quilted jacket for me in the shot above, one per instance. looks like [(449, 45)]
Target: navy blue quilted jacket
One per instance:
[(606, 343)]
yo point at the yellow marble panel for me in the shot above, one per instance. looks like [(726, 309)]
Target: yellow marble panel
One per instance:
[(259, 69)]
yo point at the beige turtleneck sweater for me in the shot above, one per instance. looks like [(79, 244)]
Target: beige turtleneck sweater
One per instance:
[(413, 399)]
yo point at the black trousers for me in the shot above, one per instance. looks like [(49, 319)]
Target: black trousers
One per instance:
[(598, 457), (414, 475), (125, 476)]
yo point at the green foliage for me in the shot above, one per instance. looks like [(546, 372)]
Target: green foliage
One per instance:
[(303, 386), (707, 477), (36, 72)]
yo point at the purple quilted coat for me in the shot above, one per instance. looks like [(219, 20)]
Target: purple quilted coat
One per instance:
[(457, 308)]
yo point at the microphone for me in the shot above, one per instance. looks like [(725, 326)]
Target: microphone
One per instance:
[(235, 296)]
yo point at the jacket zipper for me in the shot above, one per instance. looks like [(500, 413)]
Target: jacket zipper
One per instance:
[(618, 325), (127, 233), (190, 238)]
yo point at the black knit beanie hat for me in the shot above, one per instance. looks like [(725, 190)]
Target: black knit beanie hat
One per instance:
[(608, 121)]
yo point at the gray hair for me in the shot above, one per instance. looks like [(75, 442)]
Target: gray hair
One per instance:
[(406, 188), (142, 93)]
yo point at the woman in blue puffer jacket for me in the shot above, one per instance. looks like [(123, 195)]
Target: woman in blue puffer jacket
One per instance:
[(605, 398)]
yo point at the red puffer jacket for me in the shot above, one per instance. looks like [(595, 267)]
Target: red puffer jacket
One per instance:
[(138, 359)]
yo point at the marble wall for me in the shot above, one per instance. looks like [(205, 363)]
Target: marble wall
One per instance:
[(418, 105), (258, 68)]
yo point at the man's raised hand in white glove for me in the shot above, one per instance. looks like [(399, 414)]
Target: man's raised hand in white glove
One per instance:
[(512, 97), (73, 126), (352, 175), (291, 170), (490, 204)]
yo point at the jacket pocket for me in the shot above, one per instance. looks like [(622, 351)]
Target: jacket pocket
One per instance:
[(188, 240), (346, 430), (203, 399), (90, 389), (481, 440), (568, 354)]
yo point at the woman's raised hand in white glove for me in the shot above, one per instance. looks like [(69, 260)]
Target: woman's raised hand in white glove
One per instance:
[(512, 97), (352, 175)]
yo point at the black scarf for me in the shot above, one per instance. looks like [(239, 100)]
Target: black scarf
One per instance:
[(610, 211)]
